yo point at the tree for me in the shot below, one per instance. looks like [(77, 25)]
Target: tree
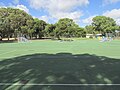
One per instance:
[(66, 28), (39, 27), (1, 28), (89, 29), (62, 27), (49, 30), (30, 27), (104, 24), (80, 32), (12, 20)]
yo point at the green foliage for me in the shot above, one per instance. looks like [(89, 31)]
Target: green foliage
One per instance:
[(39, 27), (12, 20), (89, 29), (49, 30), (79, 32), (104, 24), (67, 28)]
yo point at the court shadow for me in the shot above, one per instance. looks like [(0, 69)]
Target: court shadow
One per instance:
[(60, 68)]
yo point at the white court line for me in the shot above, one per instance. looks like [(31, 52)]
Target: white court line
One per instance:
[(8, 52), (31, 84)]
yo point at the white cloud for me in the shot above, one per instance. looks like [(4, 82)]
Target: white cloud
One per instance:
[(65, 5), (72, 15), (118, 21), (22, 7), (60, 8), (44, 18), (106, 2), (115, 14), (57, 4), (88, 20)]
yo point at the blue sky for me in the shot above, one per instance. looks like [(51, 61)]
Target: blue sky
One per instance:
[(81, 11)]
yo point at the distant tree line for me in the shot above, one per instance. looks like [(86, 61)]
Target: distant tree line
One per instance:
[(15, 22)]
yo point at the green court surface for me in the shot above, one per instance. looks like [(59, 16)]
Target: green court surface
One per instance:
[(33, 65), (108, 49)]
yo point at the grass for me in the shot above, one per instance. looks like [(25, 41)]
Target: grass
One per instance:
[(55, 62)]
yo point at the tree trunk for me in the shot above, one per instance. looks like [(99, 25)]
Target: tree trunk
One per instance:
[(58, 37), (8, 37), (15, 36), (0, 38), (35, 36), (107, 35), (30, 36)]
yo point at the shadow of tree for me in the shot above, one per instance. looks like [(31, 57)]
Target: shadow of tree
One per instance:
[(60, 68)]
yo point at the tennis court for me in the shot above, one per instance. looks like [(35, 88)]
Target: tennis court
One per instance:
[(55, 65)]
